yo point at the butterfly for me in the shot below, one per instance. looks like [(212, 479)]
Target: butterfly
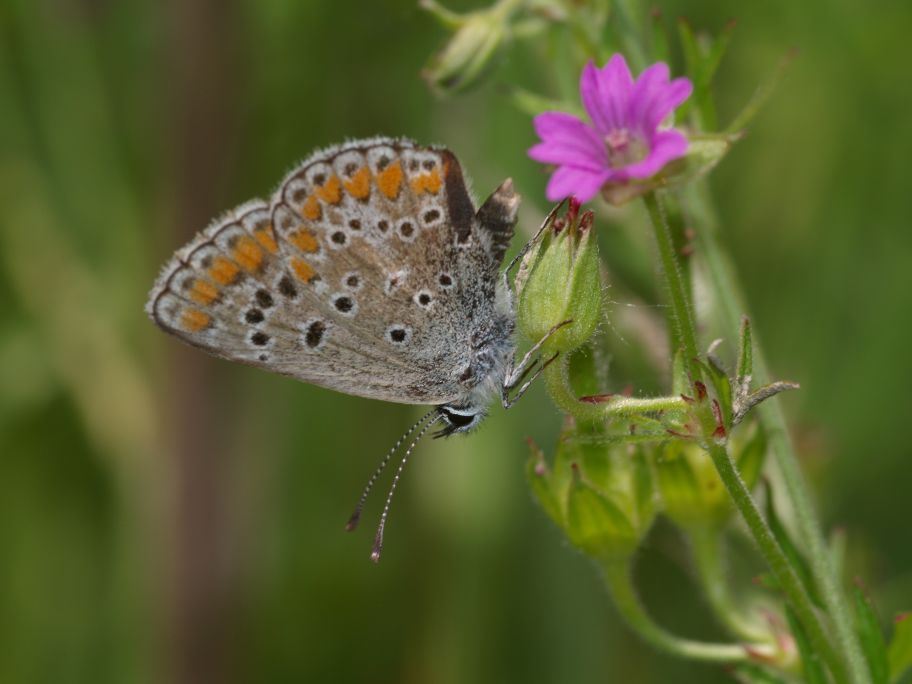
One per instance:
[(369, 271)]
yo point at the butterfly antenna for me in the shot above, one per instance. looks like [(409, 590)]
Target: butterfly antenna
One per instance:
[(356, 516), (378, 539)]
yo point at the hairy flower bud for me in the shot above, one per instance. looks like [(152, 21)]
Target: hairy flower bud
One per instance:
[(559, 281), (478, 39), (599, 493)]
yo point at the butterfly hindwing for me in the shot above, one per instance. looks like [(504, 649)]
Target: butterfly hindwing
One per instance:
[(369, 272)]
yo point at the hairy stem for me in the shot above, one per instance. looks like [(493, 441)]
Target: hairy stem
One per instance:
[(680, 314), (557, 381), (680, 317), (617, 576), (732, 304)]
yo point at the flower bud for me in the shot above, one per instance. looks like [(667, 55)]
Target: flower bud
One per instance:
[(599, 493), (478, 39), (559, 281)]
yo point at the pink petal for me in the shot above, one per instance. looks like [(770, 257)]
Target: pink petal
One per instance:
[(581, 183), (665, 147), (654, 97), (567, 140), (606, 93), (648, 87)]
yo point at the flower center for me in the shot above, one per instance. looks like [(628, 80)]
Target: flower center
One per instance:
[(624, 149)]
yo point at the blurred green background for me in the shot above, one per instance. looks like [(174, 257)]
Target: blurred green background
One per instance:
[(165, 516)]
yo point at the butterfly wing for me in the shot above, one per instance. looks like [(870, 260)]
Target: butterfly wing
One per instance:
[(368, 273)]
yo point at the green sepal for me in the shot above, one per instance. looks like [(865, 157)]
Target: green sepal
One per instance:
[(596, 525), (722, 387), (745, 366), (541, 482)]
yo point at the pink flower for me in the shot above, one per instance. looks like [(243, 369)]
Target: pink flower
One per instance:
[(624, 140)]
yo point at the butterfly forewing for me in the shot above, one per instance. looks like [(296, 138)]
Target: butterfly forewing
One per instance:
[(366, 273)]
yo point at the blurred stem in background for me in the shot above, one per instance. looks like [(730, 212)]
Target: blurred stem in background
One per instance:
[(202, 110)]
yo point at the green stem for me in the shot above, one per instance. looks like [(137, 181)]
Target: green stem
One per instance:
[(557, 380), (732, 304), (683, 328), (776, 559), (773, 554), (617, 576), (708, 552)]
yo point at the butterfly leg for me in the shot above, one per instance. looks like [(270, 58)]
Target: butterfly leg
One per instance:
[(526, 247), (517, 372), (507, 400)]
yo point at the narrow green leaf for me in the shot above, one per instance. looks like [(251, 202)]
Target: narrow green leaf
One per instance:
[(797, 560), (760, 96), (900, 651), (691, 51), (690, 47), (716, 53), (872, 639), (811, 663), (745, 351), (660, 51)]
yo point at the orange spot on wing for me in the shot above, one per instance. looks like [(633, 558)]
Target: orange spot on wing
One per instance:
[(266, 238), (312, 209), (303, 270), (248, 254), (305, 241), (195, 320), (390, 179), (204, 292), (330, 191), (359, 184), (224, 271), (428, 182)]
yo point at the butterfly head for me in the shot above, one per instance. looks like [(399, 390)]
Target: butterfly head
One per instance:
[(460, 418)]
